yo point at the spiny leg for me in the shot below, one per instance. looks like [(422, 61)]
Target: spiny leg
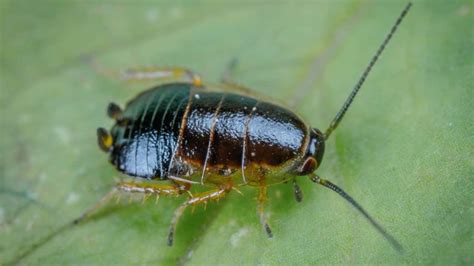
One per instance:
[(157, 73), (146, 188), (144, 73), (149, 73), (199, 198), (149, 188), (262, 197)]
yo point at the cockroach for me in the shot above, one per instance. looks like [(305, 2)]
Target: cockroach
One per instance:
[(182, 134)]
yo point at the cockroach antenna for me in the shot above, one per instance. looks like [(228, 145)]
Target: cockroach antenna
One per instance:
[(337, 119), (323, 182)]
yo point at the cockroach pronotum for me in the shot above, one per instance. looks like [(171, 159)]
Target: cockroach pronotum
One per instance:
[(186, 134)]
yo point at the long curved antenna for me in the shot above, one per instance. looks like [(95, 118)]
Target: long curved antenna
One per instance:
[(316, 179), (337, 119)]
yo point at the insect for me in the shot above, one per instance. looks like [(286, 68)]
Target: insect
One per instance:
[(183, 134)]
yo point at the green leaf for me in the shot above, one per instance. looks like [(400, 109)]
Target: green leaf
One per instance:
[(404, 149)]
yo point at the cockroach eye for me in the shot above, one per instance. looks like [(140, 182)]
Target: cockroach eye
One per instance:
[(309, 166)]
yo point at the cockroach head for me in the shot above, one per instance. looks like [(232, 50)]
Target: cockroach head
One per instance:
[(313, 154)]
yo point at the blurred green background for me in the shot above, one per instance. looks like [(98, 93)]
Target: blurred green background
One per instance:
[(404, 150)]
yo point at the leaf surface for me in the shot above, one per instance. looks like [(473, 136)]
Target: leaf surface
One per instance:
[(404, 150)]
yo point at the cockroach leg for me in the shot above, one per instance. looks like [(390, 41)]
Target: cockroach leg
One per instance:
[(149, 188), (162, 73), (262, 197), (298, 192), (145, 188), (200, 198)]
